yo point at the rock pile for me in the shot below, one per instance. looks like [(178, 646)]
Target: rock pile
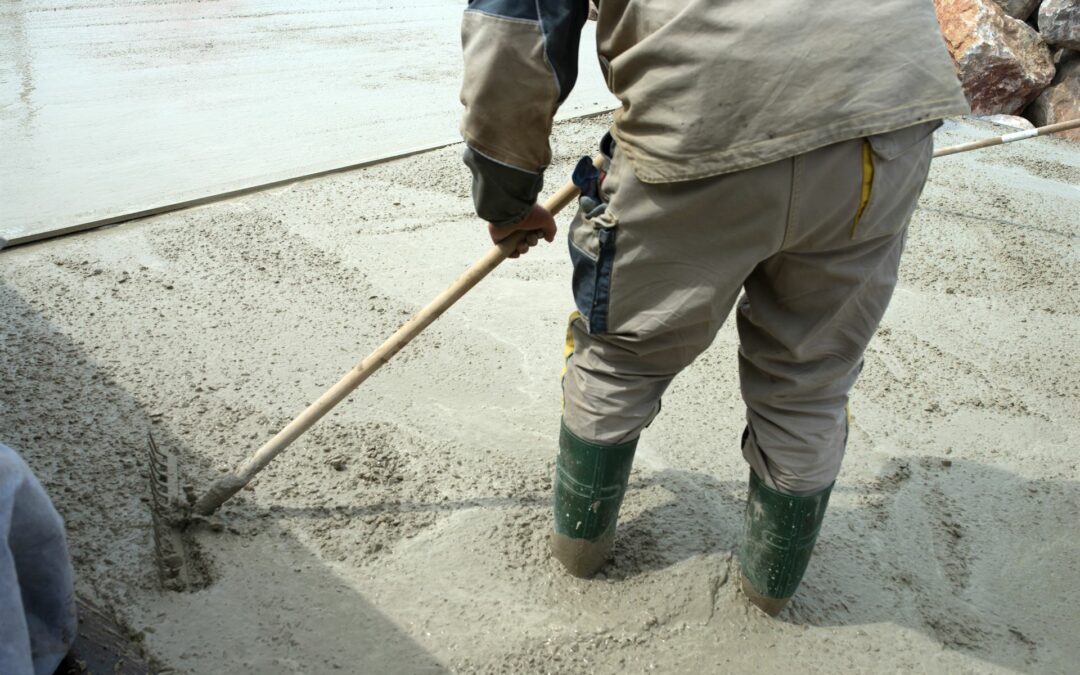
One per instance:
[(1017, 57)]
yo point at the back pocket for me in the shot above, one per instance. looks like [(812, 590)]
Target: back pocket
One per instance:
[(894, 168)]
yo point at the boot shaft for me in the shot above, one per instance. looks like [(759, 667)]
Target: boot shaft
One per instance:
[(779, 536), (590, 481)]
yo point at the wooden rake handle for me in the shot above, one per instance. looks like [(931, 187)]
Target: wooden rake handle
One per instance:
[(233, 482), (1008, 138)]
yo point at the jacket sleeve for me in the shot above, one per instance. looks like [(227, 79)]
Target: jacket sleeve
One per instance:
[(520, 65)]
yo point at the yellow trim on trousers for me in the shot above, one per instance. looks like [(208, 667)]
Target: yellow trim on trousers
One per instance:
[(867, 184), (568, 348)]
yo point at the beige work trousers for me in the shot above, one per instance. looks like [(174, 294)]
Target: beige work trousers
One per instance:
[(814, 241)]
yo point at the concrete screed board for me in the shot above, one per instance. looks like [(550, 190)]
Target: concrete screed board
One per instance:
[(111, 108)]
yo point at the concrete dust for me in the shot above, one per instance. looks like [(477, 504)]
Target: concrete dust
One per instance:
[(406, 532)]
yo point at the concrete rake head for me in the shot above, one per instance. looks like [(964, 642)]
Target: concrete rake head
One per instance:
[(179, 565)]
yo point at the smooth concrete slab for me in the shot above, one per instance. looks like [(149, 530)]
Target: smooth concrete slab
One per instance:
[(110, 108)]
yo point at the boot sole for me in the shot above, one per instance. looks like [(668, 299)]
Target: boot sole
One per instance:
[(771, 606), (581, 558)]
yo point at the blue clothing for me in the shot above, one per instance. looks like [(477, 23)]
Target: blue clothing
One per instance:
[(37, 596)]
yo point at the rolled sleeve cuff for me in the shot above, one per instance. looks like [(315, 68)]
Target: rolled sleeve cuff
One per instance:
[(503, 195)]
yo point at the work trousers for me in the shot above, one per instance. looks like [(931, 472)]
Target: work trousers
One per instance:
[(813, 241)]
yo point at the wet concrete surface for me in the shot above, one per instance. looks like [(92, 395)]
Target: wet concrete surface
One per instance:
[(115, 107), (407, 531)]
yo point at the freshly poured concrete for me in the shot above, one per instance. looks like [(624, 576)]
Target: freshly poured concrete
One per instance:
[(406, 532), (108, 108)]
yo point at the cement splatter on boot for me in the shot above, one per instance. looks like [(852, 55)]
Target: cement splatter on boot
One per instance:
[(590, 481), (778, 539)]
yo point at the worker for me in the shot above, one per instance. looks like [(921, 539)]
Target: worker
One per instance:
[(762, 146)]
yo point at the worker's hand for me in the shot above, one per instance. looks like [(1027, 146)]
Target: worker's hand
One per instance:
[(539, 223)]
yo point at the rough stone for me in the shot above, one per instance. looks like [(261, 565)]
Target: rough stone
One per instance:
[(1002, 62), (1059, 23), (1018, 9), (1060, 102), (1062, 55)]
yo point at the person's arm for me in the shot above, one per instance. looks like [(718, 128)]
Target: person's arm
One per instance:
[(520, 65)]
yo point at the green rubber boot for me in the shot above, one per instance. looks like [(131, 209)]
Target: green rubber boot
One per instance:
[(779, 537), (590, 481)]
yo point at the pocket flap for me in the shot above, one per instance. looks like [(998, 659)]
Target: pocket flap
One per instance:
[(892, 144)]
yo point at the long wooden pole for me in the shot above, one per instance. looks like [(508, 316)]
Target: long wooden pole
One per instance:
[(1008, 138), (234, 481)]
